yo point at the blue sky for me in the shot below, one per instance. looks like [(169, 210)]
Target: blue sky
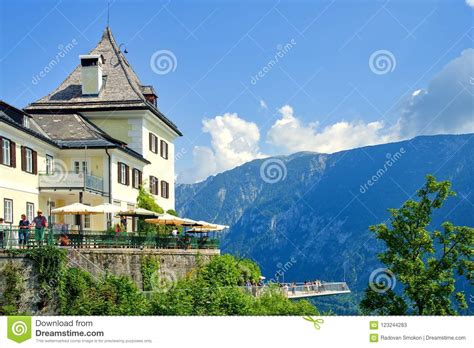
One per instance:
[(320, 94)]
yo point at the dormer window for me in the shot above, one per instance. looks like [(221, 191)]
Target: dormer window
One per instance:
[(151, 98), (26, 122)]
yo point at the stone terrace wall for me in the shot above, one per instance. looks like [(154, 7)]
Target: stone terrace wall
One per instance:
[(174, 264)]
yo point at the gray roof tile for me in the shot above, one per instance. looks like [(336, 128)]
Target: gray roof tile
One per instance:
[(121, 87)]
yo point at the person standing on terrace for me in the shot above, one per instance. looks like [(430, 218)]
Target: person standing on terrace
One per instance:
[(24, 231), (40, 224)]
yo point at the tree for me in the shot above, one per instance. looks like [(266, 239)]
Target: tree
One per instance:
[(216, 288), (145, 200), (424, 262)]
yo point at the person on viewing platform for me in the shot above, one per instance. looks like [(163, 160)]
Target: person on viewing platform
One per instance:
[(24, 227), (40, 224), (293, 288)]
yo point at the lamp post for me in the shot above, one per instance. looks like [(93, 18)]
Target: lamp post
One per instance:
[(50, 225)]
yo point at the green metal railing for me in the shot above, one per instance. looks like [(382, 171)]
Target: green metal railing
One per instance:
[(11, 238)]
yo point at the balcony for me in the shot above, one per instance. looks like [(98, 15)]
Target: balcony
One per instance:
[(71, 181)]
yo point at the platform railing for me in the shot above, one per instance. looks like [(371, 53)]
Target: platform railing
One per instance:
[(299, 290)]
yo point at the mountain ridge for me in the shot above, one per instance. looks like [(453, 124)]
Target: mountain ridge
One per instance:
[(318, 211)]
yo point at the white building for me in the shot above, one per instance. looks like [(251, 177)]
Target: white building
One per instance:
[(96, 138)]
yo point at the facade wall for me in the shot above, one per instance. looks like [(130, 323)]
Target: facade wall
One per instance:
[(133, 128), (17, 185), (160, 167)]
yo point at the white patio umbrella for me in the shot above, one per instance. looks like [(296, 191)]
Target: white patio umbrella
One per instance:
[(210, 226), (170, 220), (138, 212), (204, 226), (75, 209), (107, 208)]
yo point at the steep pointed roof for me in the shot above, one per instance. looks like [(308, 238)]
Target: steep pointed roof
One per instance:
[(121, 88)]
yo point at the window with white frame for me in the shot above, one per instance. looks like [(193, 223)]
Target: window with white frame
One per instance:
[(165, 189), (137, 178), (30, 211), (49, 164), (153, 143), (123, 173), (86, 219), (6, 156), (164, 149), (26, 122), (80, 167), (8, 210), (28, 160)]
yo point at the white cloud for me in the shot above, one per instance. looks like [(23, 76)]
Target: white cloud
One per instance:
[(234, 141), (290, 135), (470, 3), (204, 165), (446, 105), (263, 104)]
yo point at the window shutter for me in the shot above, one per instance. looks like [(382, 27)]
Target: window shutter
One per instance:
[(151, 184), (23, 159), (12, 154), (134, 184), (119, 176), (35, 162), (139, 178), (150, 140), (1, 150), (156, 144), (127, 175), (164, 149)]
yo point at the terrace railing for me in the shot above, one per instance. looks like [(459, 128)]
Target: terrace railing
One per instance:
[(10, 238), (70, 180)]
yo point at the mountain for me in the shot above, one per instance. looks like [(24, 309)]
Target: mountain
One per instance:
[(307, 215)]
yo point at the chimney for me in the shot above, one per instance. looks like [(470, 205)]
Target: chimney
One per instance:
[(91, 73)]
